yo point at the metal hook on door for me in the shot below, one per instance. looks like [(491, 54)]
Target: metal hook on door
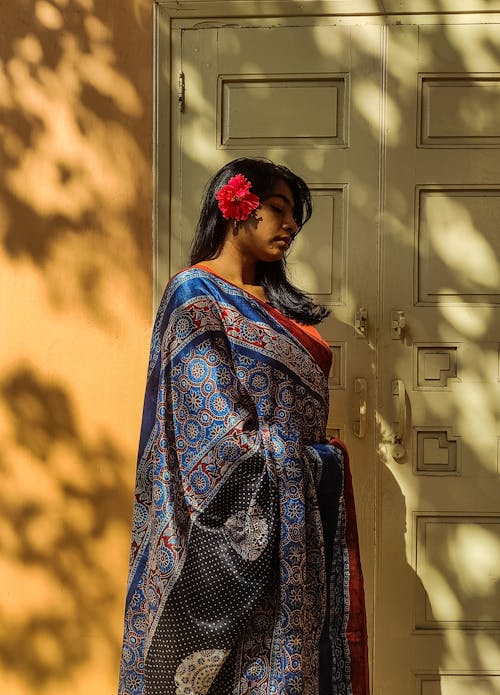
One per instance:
[(397, 448), (360, 425)]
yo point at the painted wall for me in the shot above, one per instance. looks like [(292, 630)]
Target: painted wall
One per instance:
[(75, 297)]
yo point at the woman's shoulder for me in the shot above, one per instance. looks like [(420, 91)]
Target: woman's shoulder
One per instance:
[(187, 283), (188, 286), (187, 274), (191, 275)]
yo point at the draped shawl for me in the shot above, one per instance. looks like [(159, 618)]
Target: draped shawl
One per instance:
[(244, 570)]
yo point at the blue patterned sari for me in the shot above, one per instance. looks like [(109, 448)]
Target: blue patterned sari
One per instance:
[(239, 571)]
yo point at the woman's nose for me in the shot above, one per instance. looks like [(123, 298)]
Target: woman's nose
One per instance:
[(290, 224)]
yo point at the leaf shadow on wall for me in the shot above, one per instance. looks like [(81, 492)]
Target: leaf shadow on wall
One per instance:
[(76, 185), (62, 499), (75, 260)]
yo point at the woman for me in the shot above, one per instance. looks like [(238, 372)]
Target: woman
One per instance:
[(244, 574)]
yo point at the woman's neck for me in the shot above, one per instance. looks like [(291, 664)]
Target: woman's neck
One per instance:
[(234, 269), (232, 266)]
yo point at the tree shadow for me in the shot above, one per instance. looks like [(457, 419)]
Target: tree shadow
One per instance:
[(59, 529), (75, 226), (74, 131)]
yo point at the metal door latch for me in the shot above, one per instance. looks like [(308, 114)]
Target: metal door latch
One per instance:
[(398, 324), (361, 323)]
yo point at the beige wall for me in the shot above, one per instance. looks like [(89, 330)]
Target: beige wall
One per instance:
[(75, 296)]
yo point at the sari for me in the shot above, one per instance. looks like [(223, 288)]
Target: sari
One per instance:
[(244, 568)]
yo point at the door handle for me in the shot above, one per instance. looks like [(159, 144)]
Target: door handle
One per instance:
[(360, 425), (397, 448)]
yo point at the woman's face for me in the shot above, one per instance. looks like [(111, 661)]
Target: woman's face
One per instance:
[(268, 233)]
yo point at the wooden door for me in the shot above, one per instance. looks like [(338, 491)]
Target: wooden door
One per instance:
[(438, 597), (289, 94)]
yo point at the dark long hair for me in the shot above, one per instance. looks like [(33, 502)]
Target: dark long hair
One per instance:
[(211, 232)]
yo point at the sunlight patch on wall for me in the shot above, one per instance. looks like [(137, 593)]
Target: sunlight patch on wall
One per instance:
[(48, 15), (71, 160)]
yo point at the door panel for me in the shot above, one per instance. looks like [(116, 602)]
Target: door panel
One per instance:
[(289, 93), (438, 589)]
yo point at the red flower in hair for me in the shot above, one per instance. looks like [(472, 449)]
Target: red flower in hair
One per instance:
[(235, 200)]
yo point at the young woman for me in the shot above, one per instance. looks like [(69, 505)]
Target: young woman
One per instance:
[(244, 575)]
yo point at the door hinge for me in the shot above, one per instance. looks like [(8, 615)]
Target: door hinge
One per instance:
[(181, 91)]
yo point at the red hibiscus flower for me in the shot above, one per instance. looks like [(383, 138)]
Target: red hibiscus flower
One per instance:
[(235, 200)]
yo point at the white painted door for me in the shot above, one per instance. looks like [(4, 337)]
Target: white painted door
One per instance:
[(306, 97), (393, 120), (438, 597)]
